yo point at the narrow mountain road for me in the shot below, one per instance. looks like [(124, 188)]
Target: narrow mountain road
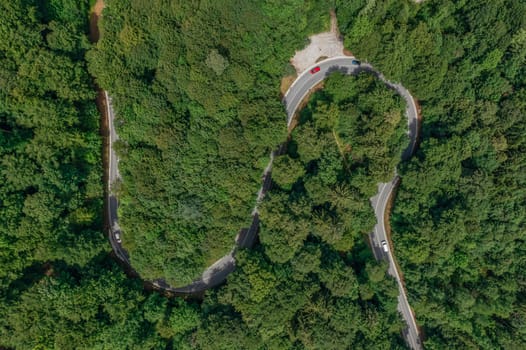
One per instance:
[(211, 277), (301, 87), (217, 273)]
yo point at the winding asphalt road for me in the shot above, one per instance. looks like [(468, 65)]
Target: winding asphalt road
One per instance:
[(217, 273), (301, 87), (211, 277)]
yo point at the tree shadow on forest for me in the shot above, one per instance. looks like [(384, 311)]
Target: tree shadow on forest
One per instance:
[(29, 276), (58, 269)]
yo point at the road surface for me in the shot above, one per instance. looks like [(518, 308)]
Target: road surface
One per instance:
[(211, 277), (217, 273), (293, 98), (379, 203), (306, 81)]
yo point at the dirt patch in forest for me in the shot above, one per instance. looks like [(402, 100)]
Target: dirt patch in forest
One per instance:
[(48, 269), (95, 13), (98, 7), (326, 44), (419, 129), (104, 131), (100, 101), (387, 224)]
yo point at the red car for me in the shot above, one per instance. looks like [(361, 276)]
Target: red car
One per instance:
[(314, 70)]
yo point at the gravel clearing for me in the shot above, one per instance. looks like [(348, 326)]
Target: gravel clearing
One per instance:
[(326, 45)]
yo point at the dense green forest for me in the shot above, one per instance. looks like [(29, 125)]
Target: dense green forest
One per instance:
[(64, 302), (58, 287), (313, 283), (350, 138), (459, 217), (196, 87), (50, 171)]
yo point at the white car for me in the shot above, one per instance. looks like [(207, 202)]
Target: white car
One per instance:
[(118, 237), (385, 246)]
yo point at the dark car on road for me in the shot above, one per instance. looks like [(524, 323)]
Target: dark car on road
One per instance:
[(356, 62)]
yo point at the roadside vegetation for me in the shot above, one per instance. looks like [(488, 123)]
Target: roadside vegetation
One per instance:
[(313, 283), (459, 216), (196, 88), (51, 192), (349, 138)]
